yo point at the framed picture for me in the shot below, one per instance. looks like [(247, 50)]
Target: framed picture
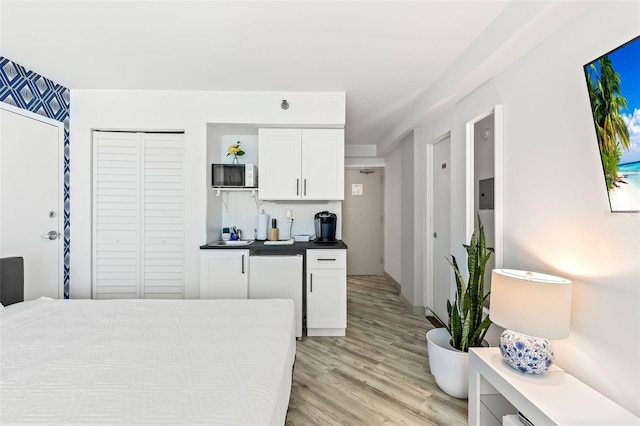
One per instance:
[(613, 82)]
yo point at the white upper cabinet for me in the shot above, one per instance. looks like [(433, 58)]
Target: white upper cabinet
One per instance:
[(301, 164), (279, 166), (323, 164)]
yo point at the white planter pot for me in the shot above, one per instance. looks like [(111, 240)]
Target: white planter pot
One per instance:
[(449, 366)]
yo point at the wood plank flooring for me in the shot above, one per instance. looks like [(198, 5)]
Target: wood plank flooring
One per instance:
[(377, 374)]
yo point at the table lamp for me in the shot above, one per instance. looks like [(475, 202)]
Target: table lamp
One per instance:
[(532, 308)]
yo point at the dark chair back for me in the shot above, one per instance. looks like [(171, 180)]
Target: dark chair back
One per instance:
[(11, 280)]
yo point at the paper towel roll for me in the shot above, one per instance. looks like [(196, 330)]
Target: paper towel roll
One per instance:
[(263, 227)]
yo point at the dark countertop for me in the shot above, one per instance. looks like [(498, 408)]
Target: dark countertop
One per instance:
[(260, 245)]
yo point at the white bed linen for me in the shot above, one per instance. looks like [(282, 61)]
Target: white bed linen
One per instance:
[(146, 361)]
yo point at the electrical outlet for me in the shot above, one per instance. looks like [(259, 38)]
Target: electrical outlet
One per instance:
[(289, 216)]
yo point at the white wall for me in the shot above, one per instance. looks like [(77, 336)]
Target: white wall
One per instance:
[(556, 212), (418, 227), (407, 284), (405, 198), (175, 110), (392, 214), (363, 162), (556, 216)]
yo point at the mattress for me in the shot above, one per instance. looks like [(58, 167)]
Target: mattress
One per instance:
[(146, 361)]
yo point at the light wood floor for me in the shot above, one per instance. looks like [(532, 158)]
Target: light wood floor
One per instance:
[(377, 374)]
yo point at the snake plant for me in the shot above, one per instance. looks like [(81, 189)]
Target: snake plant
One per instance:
[(466, 324)]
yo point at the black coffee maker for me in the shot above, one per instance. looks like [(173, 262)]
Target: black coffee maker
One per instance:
[(325, 227)]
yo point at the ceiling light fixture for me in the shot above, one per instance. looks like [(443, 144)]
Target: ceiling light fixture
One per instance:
[(284, 104)]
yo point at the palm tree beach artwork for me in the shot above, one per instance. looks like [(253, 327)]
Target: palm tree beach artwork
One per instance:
[(613, 81)]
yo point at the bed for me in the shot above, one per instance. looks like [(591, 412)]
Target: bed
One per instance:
[(146, 361)]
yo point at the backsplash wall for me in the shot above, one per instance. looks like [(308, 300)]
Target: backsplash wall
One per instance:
[(242, 213)]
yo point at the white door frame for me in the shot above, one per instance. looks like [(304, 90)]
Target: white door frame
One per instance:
[(428, 242), (498, 114), (60, 126)]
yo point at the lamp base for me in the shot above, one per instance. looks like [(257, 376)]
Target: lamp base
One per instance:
[(528, 354)]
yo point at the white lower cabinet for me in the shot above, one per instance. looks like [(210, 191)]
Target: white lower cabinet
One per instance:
[(224, 274), (326, 292)]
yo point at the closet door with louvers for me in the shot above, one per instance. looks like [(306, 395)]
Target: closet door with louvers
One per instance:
[(162, 215), (116, 215), (138, 216)]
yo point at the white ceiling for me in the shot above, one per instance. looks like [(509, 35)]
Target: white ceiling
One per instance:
[(383, 54)]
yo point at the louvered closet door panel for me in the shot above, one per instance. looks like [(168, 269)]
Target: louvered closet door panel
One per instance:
[(116, 215), (163, 215)]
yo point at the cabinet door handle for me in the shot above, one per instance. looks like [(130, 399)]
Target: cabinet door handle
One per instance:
[(311, 275), (305, 187), (326, 259), (297, 186), (243, 263)]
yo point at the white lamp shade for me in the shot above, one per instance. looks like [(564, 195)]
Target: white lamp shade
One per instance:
[(531, 303)]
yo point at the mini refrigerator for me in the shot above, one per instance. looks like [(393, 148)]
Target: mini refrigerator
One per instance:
[(277, 277)]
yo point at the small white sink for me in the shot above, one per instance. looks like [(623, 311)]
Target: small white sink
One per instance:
[(235, 243)]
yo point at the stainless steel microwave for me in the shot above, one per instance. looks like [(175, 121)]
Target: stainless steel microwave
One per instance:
[(234, 176)]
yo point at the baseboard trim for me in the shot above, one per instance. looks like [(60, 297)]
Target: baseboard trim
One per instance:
[(405, 302), (435, 321), (393, 282), (416, 310)]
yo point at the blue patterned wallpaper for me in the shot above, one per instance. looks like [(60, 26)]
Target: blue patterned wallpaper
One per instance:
[(26, 89)]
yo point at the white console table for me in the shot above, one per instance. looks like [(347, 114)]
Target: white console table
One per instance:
[(555, 398)]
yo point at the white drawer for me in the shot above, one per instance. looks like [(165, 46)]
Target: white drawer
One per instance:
[(326, 259)]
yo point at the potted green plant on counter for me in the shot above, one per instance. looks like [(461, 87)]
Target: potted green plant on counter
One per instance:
[(467, 324)]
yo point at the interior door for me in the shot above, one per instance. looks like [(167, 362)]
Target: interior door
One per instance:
[(31, 205), (441, 227), (362, 221)]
